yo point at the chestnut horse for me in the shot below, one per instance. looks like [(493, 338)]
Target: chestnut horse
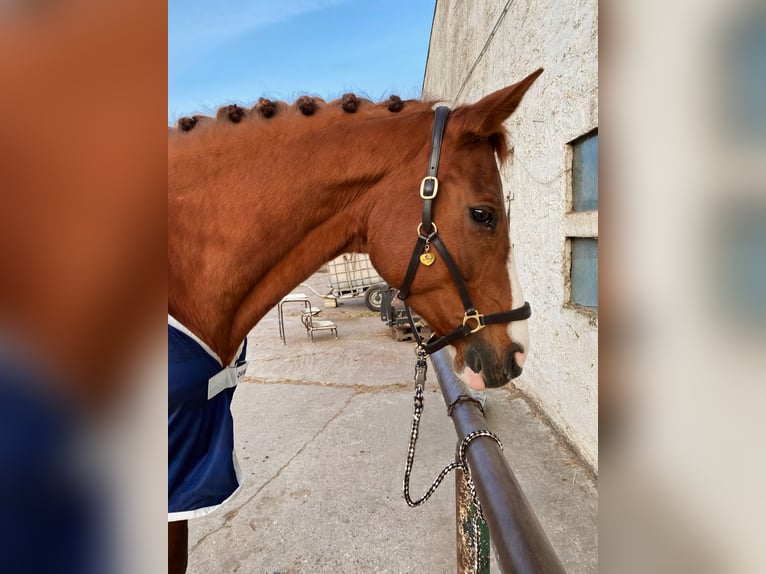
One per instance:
[(259, 199)]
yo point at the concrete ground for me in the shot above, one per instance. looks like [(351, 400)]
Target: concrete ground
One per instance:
[(322, 431)]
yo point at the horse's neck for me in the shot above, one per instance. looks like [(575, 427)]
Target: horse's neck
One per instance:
[(287, 268), (249, 220)]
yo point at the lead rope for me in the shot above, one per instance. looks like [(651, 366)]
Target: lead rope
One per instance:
[(421, 368)]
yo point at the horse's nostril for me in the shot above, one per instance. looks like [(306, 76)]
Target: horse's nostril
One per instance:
[(473, 360), (515, 369), (512, 368)]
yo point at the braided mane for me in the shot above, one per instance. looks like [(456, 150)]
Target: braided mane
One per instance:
[(266, 109)]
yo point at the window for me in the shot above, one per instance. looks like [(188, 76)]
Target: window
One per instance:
[(743, 85), (584, 272), (585, 174), (581, 224)]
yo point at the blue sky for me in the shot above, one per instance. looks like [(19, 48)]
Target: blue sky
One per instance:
[(235, 51)]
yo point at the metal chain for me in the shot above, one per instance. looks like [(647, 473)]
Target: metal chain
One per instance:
[(420, 379)]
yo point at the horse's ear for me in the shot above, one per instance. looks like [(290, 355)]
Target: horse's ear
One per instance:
[(486, 116)]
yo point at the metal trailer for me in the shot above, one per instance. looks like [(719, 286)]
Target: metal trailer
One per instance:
[(352, 275), (392, 313)]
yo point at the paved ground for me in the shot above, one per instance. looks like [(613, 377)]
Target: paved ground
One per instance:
[(322, 432)]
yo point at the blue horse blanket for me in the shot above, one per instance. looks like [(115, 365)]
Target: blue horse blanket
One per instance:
[(202, 465), (53, 515)]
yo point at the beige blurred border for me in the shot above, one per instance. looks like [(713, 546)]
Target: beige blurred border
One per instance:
[(684, 168)]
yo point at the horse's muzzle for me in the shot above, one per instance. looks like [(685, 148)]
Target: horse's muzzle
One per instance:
[(481, 358)]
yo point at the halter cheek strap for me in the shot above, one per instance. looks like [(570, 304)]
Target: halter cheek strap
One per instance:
[(429, 188), (428, 235)]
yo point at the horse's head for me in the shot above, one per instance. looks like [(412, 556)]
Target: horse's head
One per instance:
[(469, 217)]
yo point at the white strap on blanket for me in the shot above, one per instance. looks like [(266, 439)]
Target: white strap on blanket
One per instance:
[(225, 379), (228, 376)]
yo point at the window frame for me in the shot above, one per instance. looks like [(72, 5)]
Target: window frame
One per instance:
[(576, 224)]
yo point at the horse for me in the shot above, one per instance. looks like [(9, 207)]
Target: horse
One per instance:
[(260, 198)]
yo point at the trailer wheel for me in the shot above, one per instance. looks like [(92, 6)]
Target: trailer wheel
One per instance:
[(373, 297)]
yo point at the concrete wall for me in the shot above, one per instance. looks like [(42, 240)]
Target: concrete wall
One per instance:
[(467, 60)]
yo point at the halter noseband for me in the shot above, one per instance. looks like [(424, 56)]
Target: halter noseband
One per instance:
[(428, 235)]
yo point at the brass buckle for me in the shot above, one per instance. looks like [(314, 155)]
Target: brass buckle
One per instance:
[(423, 185), (475, 315)]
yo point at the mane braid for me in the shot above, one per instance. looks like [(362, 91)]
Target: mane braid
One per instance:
[(265, 107), (395, 104), (306, 105), (186, 123), (349, 103), (232, 113)]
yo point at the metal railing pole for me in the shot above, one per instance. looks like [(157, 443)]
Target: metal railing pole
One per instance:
[(521, 546)]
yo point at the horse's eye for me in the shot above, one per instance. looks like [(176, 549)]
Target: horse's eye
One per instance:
[(483, 216)]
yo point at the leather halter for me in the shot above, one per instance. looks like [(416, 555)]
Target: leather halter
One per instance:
[(428, 235)]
